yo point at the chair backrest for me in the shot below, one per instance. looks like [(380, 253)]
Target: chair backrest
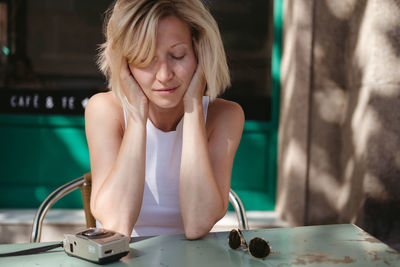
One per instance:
[(86, 190), (85, 184)]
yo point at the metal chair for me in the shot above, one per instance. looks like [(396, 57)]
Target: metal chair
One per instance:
[(85, 184)]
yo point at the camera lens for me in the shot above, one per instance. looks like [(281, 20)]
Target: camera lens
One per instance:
[(97, 233), (94, 232)]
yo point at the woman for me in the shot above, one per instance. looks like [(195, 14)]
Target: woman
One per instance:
[(161, 151)]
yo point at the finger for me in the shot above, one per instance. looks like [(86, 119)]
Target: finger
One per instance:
[(129, 83), (198, 76), (124, 72), (199, 70)]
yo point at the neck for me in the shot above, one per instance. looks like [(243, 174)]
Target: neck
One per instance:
[(166, 119)]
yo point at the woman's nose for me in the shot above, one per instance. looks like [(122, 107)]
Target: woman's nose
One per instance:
[(164, 72)]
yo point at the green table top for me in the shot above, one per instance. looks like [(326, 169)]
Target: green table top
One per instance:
[(328, 245)]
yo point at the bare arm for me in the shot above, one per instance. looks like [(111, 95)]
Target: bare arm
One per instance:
[(207, 159), (117, 158)]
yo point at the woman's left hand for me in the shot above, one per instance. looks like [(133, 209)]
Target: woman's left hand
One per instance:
[(196, 87)]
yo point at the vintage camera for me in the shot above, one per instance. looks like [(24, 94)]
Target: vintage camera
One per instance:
[(97, 245)]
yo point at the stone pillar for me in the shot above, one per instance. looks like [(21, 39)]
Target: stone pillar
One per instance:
[(339, 140), (294, 112)]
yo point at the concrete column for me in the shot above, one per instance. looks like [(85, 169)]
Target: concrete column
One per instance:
[(339, 140), (294, 112)]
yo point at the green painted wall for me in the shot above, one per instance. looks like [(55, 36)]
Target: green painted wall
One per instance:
[(251, 178), (39, 153)]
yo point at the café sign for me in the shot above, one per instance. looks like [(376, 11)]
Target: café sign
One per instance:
[(27, 101)]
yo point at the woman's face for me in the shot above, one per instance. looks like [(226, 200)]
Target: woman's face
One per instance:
[(166, 79)]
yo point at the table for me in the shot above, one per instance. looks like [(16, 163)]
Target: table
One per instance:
[(328, 245)]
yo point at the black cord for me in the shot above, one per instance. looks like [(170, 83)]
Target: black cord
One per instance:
[(32, 250), (49, 247)]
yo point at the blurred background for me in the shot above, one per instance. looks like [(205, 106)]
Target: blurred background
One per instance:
[(319, 81), (48, 71)]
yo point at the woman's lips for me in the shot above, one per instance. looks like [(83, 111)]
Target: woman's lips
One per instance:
[(166, 90)]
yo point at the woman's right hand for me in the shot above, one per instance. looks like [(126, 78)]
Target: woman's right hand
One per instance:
[(138, 106)]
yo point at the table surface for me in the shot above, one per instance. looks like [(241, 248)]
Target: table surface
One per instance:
[(328, 245)]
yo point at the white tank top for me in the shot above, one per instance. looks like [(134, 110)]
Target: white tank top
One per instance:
[(160, 213)]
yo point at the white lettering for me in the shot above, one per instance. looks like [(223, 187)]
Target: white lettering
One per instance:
[(35, 101), (64, 102), (21, 101), (49, 102), (13, 103), (71, 102), (24, 101), (27, 100), (84, 102), (68, 102)]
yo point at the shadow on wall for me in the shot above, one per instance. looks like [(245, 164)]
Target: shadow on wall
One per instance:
[(292, 128), (353, 165), (336, 169), (382, 191), (373, 123)]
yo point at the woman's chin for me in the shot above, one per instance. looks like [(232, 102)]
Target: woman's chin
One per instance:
[(166, 103)]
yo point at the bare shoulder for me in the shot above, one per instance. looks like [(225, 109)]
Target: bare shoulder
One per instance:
[(105, 100), (224, 113), (105, 108)]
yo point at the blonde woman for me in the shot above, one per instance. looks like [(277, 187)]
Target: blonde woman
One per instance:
[(161, 143)]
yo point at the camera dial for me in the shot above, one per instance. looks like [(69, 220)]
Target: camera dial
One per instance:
[(97, 233)]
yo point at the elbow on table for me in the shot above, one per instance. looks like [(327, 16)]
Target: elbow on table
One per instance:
[(196, 231), (122, 224), (94, 210), (197, 228), (101, 216)]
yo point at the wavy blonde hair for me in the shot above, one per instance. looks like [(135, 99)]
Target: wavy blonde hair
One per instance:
[(131, 34)]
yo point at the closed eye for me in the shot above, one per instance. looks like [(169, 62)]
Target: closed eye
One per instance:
[(178, 57)]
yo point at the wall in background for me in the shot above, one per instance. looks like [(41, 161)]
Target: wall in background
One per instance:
[(339, 133)]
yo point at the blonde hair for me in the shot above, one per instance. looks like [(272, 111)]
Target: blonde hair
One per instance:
[(131, 33)]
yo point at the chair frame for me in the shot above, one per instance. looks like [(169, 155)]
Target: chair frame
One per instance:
[(84, 183)]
